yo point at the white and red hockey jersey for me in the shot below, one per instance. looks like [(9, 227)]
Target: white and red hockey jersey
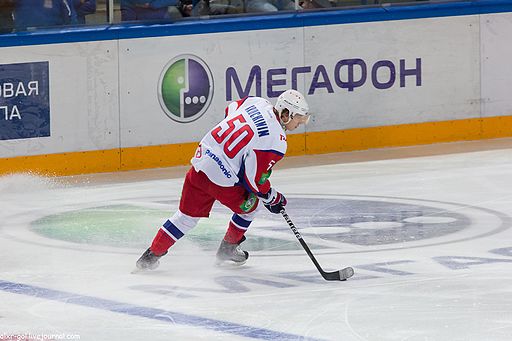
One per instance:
[(243, 147)]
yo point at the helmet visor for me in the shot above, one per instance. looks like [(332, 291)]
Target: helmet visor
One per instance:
[(303, 119)]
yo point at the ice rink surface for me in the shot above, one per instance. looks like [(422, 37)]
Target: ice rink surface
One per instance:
[(427, 230)]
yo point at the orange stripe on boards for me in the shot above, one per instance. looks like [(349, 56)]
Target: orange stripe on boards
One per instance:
[(408, 134), (157, 156), (63, 163), (298, 144)]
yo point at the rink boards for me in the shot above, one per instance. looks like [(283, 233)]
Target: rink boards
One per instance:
[(139, 102)]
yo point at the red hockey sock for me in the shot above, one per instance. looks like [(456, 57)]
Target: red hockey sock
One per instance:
[(161, 243), (234, 234)]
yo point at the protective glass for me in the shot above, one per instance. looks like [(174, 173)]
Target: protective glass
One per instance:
[(303, 119)]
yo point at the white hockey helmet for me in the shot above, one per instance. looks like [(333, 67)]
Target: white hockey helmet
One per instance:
[(295, 103)]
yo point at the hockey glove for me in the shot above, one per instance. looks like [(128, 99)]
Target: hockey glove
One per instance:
[(274, 201)]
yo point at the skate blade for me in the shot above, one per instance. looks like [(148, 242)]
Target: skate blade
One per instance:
[(229, 263), (138, 271)]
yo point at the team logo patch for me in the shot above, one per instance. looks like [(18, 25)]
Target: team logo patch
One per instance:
[(185, 88), (249, 203)]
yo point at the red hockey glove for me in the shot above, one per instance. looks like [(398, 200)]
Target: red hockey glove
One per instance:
[(274, 201)]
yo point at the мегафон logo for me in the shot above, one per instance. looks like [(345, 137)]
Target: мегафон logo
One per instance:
[(185, 88)]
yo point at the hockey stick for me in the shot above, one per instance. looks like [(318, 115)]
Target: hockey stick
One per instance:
[(340, 275)]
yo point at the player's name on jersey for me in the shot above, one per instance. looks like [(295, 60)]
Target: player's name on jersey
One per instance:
[(259, 121)]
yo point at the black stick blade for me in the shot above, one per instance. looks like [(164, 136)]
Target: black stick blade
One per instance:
[(341, 275)]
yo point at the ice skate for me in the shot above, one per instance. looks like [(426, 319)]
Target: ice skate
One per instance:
[(232, 253), (148, 261)]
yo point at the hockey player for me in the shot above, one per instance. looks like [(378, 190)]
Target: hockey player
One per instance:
[(232, 164)]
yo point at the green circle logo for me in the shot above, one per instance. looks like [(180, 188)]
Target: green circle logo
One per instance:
[(185, 88)]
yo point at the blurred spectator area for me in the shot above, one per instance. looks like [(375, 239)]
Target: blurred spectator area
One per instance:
[(214, 7), (100, 17), (6, 22)]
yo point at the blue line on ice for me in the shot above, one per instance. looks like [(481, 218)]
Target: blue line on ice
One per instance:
[(151, 313)]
